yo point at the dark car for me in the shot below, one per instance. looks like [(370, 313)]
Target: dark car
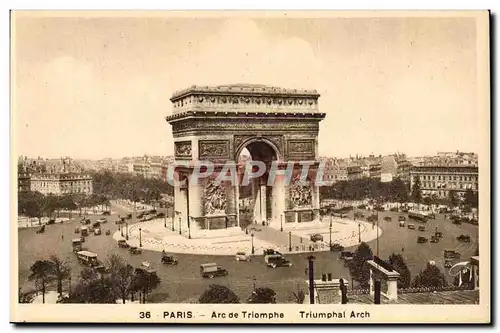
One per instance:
[(106, 213), (401, 218), (336, 247), (411, 226), (456, 221), (346, 255), (270, 252), (40, 230), (434, 239), (135, 250), (51, 221), (422, 240), (140, 216), (129, 216), (160, 215), (274, 262), (123, 244), (316, 238), (108, 232), (388, 218), (464, 238), (169, 260), (421, 228), (439, 234), (212, 270)]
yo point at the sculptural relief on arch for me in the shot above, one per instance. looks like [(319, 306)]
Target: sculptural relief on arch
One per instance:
[(272, 125)]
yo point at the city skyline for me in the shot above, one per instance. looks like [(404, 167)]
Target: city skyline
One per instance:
[(79, 85)]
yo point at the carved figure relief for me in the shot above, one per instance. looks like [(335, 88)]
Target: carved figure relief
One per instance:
[(300, 195), (215, 199), (214, 148), (183, 149)]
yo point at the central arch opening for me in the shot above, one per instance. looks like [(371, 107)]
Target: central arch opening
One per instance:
[(255, 199)]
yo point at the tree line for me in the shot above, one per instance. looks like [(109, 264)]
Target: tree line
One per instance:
[(38, 205), (121, 282)]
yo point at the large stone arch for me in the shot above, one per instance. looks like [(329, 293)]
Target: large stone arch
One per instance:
[(216, 123)]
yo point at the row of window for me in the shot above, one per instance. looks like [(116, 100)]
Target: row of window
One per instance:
[(460, 178), (463, 186)]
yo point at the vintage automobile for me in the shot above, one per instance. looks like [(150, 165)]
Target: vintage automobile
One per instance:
[(87, 258), (336, 247), (401, 224), (434, 239), (212, 270), (169, 260), (418, 217), (439, 234), (448, 262), (388, 218), (160, 215), (271, 252), (346, 255), (106, 212), (40, 229), (97, 231), (242, 256), (411, 226), (422, 240), (129, 216), (102, 220), (85, 221), (77, 230), (456, 220), (421, 228), (122, 243), (451, 254), (401, 218), (84, 231), (76, 244), (274, 261), (316, 238), (96, 225), (120, 221), (51, 221), (464, 238), (108, 232), (135, 250), (82, 238)]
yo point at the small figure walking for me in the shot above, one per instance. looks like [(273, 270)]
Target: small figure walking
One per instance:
[(62, 237), (403, 249)]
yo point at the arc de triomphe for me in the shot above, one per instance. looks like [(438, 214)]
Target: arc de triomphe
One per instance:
[(274, 124)]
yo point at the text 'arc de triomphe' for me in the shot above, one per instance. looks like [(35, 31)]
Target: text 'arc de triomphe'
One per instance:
[(274, 124)]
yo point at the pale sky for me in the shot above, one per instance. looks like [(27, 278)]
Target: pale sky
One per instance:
[(100, 87)]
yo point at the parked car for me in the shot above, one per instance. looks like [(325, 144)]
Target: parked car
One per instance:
[(169, 260), (212, 270), (464, 238), (135, 250), (336, 247), (242, 256), (411, 226), (122, 243), (422, 240), (434, 239), (346, 255), (316, 238), (274, 261), (421, 228), (76, 244), (388, 218), (97, 231)]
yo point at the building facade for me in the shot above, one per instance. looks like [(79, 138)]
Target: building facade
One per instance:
[(440, 180), (61, 183), (23, 182)]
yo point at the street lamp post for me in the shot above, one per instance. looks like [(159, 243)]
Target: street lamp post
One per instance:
[(359, 232), (377, 236), (330, 237), (253, 249), (290, 241), (140, 237), (126, 230), (281, 222), (180, 221), (189, 227), (120, 229), (69, 291), (165, 221)]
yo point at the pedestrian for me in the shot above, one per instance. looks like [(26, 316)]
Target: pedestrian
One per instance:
[(403, 249), (343, 291), (62, 236)]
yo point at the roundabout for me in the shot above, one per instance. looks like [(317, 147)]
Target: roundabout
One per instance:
[(157, 235)]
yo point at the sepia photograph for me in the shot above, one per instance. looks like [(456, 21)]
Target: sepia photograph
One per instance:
[(250, 166)]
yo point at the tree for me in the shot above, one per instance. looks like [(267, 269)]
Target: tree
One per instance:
[(416, 191), (397, 261), (471, 198), (97, 291), (452, 198), (33, 208), (217, 294), (25, 297), (42, 274), (358, 266), (144, 282), (121, 274), (299, 296), (60, 271), (263, 296), (431, 277)]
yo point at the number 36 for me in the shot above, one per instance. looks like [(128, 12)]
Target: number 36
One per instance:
[(143, 315)]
